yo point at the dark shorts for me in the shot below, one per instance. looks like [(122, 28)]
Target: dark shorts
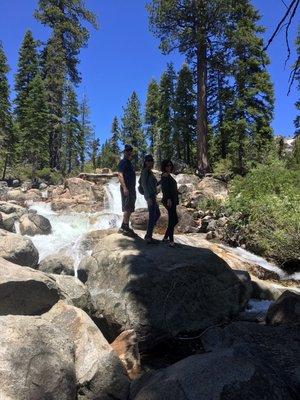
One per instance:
[(128, 202)]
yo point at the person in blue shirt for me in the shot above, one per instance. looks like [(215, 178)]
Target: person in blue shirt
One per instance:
[(127, 179)]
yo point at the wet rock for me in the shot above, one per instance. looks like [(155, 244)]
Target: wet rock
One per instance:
[(285, 310), (7, 222), (93, 238), (18, 249), (11, 208), (37, 360), (158, 291), (24, 291), (99, 372), (33, 224)]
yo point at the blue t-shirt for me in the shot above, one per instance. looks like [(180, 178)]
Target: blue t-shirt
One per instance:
[(128, 171)]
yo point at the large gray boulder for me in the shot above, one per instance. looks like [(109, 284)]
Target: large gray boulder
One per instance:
[(7, 222), (76, 292), (160, 291), (36, 360), (58, 263), (33, 224), (285, 310), (18, 249), (24, 291), (278, 345), (247, 373), (99, 372), (11, 208)]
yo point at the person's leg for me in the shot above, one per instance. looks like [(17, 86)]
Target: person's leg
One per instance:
[(173, 222), (151, 220), (157, 212), (167, 234), (128, 205)]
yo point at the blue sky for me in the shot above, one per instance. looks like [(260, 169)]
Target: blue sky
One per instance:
[(123, 56)]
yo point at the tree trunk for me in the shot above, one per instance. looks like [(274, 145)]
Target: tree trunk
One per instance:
[(202, 148)]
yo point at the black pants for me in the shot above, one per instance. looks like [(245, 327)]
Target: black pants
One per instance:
[(172, 222), (154, 215)]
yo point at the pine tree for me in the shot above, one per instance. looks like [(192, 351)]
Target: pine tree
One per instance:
[(7, 141), (297, 77), (151, 117), (108, 158), (192, 27), (115, 136), (166, 115), (54, 74), (86, 133), (251, 112), (93, 152), (66, 18), (185, 116), (34, 140), (132, 129), (72, 138), (28, 68)]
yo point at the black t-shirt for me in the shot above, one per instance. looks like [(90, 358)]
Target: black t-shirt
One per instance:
[(128, 171)]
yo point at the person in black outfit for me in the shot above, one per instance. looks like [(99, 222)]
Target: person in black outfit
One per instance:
[(170, 199), (127, 178)]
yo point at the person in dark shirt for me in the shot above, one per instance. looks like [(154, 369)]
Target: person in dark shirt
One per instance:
[(127, 179), (148, 182), (170, 199)]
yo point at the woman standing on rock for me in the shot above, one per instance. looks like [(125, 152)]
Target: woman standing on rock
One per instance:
[(148, 187), (170, 199)]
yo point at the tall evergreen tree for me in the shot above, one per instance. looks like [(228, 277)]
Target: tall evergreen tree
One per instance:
[(54, 74), (251, 113), (6, 126), (297, 77), (115, 136), (94, 152), (132, 129), (192, 27), (185, 116), (66, 18), (86, 133), (151, 117), (72, 137), (166, 114), (28, 68), (34, 140)]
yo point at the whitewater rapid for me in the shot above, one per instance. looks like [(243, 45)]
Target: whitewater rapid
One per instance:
[(68, 229)]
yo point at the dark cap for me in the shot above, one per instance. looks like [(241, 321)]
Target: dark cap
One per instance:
[(128, 147)]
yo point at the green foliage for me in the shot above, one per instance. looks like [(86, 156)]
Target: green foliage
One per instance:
[(132, 130), (151, 116), (108, 158), (211, 204), (268, 198), (297, 77), (67, 19), (7, 137)]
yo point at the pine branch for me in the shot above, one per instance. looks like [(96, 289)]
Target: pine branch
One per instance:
[(292, 8), (293, 74)]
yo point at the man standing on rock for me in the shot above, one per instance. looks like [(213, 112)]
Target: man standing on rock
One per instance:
[(127, 178)]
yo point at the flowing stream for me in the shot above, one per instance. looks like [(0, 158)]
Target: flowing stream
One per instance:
[(68, 229)]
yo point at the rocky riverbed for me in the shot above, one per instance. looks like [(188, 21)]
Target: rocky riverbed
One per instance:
[(86, 313)]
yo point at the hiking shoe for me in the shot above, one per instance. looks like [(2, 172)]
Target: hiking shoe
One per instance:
[(151, 241), (165, 241), (127, 232)]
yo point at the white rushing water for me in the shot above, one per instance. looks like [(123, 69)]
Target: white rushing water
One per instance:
[(68, 229)]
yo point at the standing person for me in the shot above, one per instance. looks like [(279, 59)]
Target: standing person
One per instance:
[(170, 199), (127, 179), (148, 182)]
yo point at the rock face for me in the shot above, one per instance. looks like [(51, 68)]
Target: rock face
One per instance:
[(284, 310), (75, 291), (126, 346), (36, 360), (24, 291), (18, 249), (213, 188), (158, 291), (7, 222), (58, 263), (11, 208), (99, 372), (247, 361), (33, 224)]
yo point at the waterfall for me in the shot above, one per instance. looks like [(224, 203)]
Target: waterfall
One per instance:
[(69, 229)]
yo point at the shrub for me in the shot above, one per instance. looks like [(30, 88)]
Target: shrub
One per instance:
[(268, 198)]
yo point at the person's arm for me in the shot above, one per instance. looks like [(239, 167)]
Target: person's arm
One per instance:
[(121, 178), (144, 183)]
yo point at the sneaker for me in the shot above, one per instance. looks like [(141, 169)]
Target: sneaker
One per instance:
[(126, 231), (165, 240), (151, 241)]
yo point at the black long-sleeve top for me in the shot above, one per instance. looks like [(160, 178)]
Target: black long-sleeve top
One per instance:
[(169, 189)]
